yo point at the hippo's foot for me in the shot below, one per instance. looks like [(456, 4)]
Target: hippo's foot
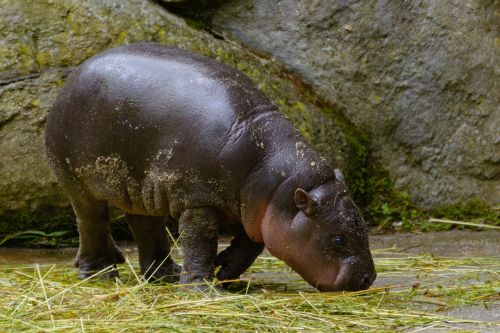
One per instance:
[(199, 283), (91, 265), (106, 268), (236, 259), (169, 272)]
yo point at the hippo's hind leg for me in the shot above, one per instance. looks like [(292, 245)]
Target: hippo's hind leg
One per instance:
[(154, 248), (236, 258), (97, 249), (198, 235)]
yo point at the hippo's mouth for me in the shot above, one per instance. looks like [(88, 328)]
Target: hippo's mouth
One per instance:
[(326, 279), (345, 277), (334, 280)]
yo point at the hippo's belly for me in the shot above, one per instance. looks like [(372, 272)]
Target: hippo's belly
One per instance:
[(160, 192)]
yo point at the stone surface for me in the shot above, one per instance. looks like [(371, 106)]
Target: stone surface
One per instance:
[(421, 77), (42, 40), (25, 179)]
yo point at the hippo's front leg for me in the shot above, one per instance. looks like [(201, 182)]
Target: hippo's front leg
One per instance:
[(236, 259), (198, 235)]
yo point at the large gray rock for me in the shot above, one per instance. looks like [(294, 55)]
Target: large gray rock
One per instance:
[(421, 77), (40, 43)]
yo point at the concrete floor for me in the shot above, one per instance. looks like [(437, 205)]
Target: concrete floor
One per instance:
[(445, 244), (456, 243)]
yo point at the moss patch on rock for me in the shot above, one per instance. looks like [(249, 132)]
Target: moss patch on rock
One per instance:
[(475, 210), (390, 209), (472, 209)]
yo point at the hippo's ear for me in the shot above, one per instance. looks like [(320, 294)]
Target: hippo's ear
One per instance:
[(306, 202), (340, 176)]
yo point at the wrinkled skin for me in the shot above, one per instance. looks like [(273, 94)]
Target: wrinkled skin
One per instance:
[(157, 131)]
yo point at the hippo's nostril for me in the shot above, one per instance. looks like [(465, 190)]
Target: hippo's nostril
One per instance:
[(366, 281)]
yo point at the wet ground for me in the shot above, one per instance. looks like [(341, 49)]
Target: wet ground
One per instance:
[(456, 244), (444, 244)]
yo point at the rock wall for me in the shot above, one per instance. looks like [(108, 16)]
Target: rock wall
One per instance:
[(40, 43), (422, 78)]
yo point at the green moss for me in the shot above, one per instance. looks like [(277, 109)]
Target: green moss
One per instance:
[(384, 205), (392, 209), (357, 163), (35, 102), (44, 59)]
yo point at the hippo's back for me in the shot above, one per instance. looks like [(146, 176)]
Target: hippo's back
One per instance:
[(144, 108)]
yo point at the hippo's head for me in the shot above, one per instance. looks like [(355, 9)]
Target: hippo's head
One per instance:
[(327, 240)]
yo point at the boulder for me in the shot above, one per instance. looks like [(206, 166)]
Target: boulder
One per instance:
[(41, 41), (422, 78)]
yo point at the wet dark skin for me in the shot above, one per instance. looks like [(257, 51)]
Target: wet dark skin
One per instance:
[(157, 131)]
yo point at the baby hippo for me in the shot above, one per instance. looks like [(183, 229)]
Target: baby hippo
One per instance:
[(157, 131)]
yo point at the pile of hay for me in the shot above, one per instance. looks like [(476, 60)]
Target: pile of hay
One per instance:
[(270, 298)]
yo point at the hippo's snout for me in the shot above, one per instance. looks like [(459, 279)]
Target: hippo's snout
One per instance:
[(350, 278), (356, 277)]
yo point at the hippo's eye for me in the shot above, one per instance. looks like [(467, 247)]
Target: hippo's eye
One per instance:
[(339, 241)]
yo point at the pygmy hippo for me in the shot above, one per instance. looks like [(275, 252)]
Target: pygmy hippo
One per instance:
[(157, 131)]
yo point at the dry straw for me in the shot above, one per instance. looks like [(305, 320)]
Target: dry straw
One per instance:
[(414, 293), (468, 224)]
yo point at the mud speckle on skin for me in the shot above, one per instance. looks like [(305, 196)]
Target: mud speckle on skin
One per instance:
[(157, 192), (109, 177), (256, 137), (164, 155), (170, 191), (111, 168), (154, 190)]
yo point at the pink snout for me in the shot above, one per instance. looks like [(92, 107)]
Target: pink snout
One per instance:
[(351, 276)]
